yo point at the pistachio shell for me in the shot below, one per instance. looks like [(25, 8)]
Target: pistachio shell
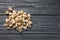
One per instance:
[(16, 19), (6, 25), (20, 30), (7, 20), (7, 12), (25, 13), (24, 27), (10, 13), (14, 11), (10, 9), (13, 21), (29, 22), (10, 25), (29, 15), (21, 11)]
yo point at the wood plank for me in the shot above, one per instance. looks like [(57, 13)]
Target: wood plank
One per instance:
[(29, 37), (37, 11), (41, 24), (44, 7)]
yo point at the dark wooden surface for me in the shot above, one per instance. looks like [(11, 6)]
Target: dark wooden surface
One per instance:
[(45, 18)]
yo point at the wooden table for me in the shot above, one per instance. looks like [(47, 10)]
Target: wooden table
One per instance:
[(45, 18)]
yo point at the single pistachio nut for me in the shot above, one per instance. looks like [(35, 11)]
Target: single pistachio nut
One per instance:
[(19, 24), (24, 27), (10, 25), (25, 13), (28, 19), (27, 25), (12, 16), (7, 20), (17, 19), (25, 20), (20, 30), (25, 16), (9, 17), (30, 22), (20, 27), (24, 23), (10, 13), (14, 11), (7, 12), (21, 16), (28, 15), (6, 25), (10, 9), (21, 12), (13, 21), (15, 25)]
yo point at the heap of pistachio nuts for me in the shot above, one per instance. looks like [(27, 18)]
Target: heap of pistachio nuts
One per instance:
[(19, 20)]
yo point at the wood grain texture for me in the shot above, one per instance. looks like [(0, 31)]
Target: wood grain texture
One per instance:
[(45, 18)]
